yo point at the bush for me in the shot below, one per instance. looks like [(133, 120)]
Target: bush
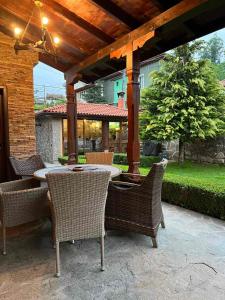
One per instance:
[(119, 159), (145, 161), (64, 159), (195, 198)]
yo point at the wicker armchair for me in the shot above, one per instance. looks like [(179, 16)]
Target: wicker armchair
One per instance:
[(21, 201), (100, 158), (78, 207), (137, 206), (27, 167)]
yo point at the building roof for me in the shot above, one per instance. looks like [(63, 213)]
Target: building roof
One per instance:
[(92, 30), (92, 111)]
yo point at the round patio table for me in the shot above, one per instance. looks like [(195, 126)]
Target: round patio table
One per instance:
[(41, 174)]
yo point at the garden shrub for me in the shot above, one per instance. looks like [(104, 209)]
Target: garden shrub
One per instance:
[(195, 198), (119, 159), (145, 161)]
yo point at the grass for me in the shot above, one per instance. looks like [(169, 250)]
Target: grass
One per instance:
[(204, 176), (207, 177)]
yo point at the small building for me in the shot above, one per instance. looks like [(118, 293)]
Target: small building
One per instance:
[(99, 127), (117, 82)]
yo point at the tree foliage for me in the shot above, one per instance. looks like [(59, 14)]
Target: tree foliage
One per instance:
[(185, 100), (213, 50), (95, 94), (219, 69)]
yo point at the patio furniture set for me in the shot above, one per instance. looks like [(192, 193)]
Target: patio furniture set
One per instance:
[(81, 201)]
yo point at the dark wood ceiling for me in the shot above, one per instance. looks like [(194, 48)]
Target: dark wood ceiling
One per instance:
[(87, 27)]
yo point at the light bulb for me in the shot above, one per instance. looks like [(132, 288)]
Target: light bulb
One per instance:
[(56, 40), (44, 21), (17, 32)]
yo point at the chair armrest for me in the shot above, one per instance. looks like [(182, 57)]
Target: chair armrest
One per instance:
[(128, 184), (27, 194), (135, 178), (21, 184), (19, 207), (122, 186), (134, 175)]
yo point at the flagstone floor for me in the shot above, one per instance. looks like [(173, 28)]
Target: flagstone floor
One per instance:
[(189, 264)]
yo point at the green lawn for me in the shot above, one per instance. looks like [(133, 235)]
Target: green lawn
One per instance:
[(204, 176), (207, 177)]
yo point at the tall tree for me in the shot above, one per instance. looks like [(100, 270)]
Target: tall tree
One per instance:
[(185, 100), (95, 94), (213, 50)]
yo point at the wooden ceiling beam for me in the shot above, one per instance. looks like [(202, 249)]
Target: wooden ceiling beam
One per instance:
[(71, 16), (117, 12), (50, 61), (171, 14)]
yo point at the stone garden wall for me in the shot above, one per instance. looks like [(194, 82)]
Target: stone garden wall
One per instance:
[(209, 151)]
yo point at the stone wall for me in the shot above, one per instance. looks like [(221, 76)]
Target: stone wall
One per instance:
[(16, 74), (49, 138), (209, 151)]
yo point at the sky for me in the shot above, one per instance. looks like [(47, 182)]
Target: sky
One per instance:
[(54, 80)]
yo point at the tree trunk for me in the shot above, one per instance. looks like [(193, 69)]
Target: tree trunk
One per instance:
[(181, 152)]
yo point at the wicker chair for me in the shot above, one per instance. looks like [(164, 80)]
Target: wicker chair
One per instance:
[(21, 201), (100, 158), (27, 167), (137, 206), (78, 207)]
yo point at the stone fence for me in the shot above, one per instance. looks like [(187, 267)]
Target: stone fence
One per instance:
[(208, 151)]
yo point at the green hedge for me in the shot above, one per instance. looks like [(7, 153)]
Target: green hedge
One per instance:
[(145, 161), (197, 199), (119, 159)]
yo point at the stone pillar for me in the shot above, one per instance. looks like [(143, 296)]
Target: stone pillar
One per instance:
[(72, 124), (105, 135), (133, 101)]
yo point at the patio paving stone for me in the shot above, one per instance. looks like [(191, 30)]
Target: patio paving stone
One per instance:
[(189, 264)]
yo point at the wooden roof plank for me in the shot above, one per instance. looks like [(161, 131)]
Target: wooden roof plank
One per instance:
[(71, 16), (172, 13), (115, 11)]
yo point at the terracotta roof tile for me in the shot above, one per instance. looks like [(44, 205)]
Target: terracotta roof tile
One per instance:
[(88, 109)]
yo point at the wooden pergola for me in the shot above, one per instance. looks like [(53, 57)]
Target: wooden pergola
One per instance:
[(101, 37)]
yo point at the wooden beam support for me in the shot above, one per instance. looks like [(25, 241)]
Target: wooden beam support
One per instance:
[(117, 12), (71, 124), (71, 16), (105, 135), (149, 27), (133, 101)]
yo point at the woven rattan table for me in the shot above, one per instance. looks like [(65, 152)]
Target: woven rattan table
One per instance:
[(40, 174)]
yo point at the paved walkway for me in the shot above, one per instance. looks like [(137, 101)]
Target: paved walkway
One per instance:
[(189, 264)]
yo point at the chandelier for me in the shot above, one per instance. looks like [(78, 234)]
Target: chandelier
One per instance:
[(40, 45)]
